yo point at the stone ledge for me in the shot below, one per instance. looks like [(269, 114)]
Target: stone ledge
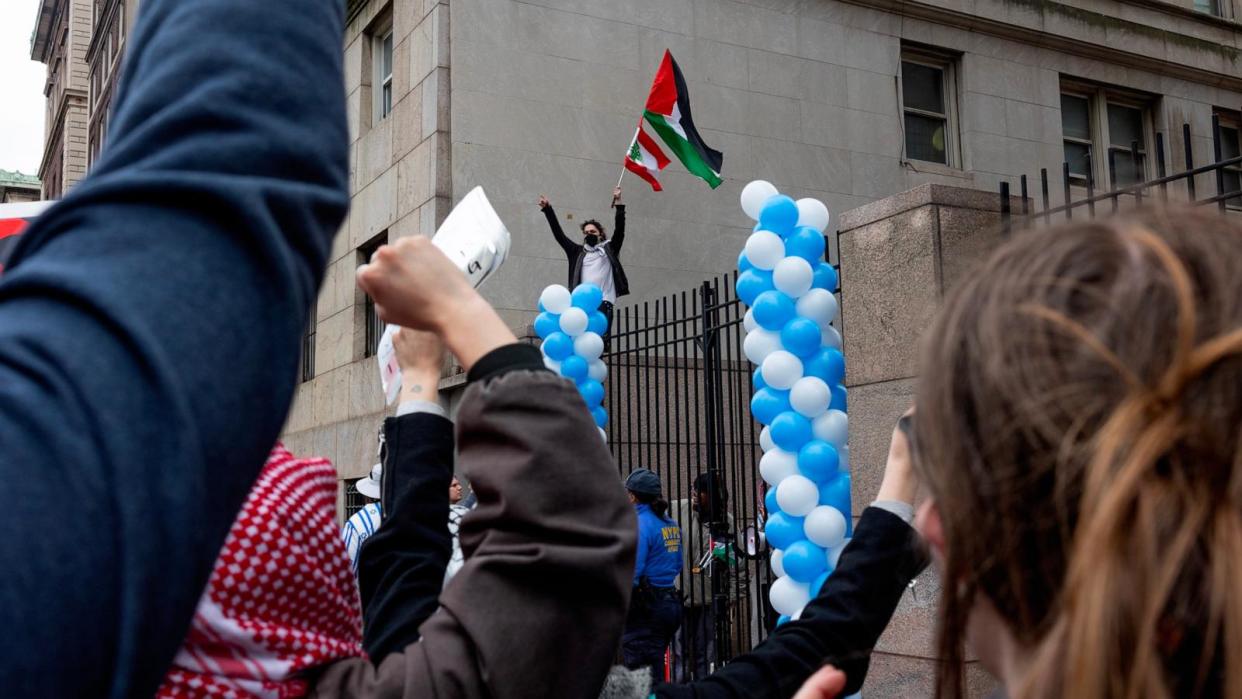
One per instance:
[(924, 195)]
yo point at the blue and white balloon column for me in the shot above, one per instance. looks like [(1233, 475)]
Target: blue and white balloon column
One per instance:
[(799, 397), (572, 329)]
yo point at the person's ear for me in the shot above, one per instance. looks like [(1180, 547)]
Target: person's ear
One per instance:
[(930, 527)]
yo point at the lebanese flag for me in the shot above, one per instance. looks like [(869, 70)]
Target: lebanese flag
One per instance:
[(668, 112), (645, 158)]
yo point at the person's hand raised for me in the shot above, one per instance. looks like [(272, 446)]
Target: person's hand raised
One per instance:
[(415, 285), (616, 196), (543, 202), (827, 683)]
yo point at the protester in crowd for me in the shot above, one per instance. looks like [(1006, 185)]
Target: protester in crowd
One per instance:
[(149, 333), (1078, 431), (538, 607), (366, 521), (655, 604), (281, 599), (597, 259), (707, 588), (457, 510)]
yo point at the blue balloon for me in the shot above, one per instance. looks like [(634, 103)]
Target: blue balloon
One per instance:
[(743, 262), (819, 582), (782, 530), (768, 403), (773, 310), (756, 379), (802, 337), (779, 215), (836, 493), (600, 415), (588, 297), (825, 277), (751, 283), (790, 431), (838, 398), (597, 323), (542, 308), (592, 391), (783, 619), (804, 561), (575, 368), (827, 364), (558, 346), (817, 460), (546, 324), (769, 502), (806, 243)]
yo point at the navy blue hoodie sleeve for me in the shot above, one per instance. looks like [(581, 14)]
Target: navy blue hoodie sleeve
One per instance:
[(149, 335)]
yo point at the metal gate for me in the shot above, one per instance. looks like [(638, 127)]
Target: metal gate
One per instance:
[(678, 397)]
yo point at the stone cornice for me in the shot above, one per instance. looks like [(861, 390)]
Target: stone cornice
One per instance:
[(1075, 46)]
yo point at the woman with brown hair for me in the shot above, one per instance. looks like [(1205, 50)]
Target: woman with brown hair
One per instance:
[(1078, 425)]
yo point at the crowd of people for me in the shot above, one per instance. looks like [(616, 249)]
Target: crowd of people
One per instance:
[(1076, 437)]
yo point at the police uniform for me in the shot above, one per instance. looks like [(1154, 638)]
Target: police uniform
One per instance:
[(655, 605)]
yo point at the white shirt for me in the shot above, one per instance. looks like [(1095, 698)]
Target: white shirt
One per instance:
[(358, 529), (597, 270)]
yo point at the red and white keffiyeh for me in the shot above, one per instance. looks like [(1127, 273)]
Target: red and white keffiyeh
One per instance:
[(281, 598)]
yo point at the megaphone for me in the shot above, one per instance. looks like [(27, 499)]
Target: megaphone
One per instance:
[(476, 240)]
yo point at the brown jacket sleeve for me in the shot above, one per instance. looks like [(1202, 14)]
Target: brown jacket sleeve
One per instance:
[(538, 608)]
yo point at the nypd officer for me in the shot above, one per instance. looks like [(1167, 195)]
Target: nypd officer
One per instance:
[(655, 606)]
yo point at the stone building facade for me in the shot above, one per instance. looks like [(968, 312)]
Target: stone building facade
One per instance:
[(61, 35), (846, 101), (16, 187)]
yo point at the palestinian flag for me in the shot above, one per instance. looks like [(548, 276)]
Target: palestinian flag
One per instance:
[(668, 113), (13, 220), (645, 158)]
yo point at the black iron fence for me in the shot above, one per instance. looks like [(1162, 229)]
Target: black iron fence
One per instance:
[(1081, 195), (678, 397)]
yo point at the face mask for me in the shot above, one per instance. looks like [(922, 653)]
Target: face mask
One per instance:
[(592, 240)]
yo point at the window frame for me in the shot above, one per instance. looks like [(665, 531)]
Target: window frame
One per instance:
[(947, 62), (1099, 98), (309, 334), (372, 326), (381, 81), (1232, 120)]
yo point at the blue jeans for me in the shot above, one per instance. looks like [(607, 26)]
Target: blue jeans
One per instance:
[(649, 630)]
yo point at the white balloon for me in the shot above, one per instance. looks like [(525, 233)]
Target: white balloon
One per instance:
[(755, 195), (830, 338), (843, 458), (556, 299), (602, 434), (798, 614), (764, 249), (597, 370), (810, 396), (765, 440), (793, 275), (759, 344), (813, 213), (781, 370), (778, 465), (587, 345), (819, 305), (797, 495), (552, 364), (832, 427), (825, 526), (777, 568), (748, 321), (574, 322), (788, 595), (834, 554)]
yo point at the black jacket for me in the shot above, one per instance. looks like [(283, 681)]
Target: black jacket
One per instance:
[(839, 627), (575, 251)]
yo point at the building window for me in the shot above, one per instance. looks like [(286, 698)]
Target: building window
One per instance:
[(1230, 149), (308, 343), (354, 501), (382, 62), (929, 97), (1211, 7), (1099, 124), (373, 327)]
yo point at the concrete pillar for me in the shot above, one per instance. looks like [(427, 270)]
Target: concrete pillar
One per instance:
[(898, 257)]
